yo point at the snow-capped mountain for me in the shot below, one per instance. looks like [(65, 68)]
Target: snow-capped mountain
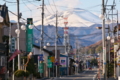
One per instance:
[(76, 18), (82, 28)]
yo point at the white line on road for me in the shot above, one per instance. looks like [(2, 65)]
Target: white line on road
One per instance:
[(94, 76)]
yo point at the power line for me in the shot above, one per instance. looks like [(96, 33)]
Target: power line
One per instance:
[(50, 6), (47, 9), (28, 8), (34, 26), (55, 6), (9, 1)]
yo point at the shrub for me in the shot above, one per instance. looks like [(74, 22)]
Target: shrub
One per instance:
[(20, 73), (37, 75), (110, 69)]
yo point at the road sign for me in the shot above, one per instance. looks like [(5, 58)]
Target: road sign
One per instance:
[(52, 59), (41, 57), (49, 63), (12, 45), (41, 67)]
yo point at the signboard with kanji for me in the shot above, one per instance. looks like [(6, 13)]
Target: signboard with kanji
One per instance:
[(49, 63), (41, 67), (29, 35)]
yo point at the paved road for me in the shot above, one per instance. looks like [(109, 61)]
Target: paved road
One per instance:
[(86, 75)]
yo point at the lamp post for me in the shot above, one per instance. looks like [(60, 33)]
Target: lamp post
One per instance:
[(17, 31), (45, 47), (112, 41)]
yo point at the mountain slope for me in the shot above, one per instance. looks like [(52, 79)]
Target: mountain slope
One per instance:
[(81, 25)]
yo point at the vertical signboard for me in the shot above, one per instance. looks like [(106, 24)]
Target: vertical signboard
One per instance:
[(41, 67), (49, 63), (12, 46), (29, 35)]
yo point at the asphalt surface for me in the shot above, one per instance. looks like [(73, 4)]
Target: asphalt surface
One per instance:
[(85, 75)]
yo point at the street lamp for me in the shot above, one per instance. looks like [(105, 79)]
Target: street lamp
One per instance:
[(31, 26), (101, 16), (48, 44), (108, 37), (23, 27), (44, 47), (112, 40), (17, 31)]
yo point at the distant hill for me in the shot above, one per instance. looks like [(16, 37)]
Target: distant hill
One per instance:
[(82, 28)]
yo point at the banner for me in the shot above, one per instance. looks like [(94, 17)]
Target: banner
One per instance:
[(29, 35), (63, 61), (14, 55)]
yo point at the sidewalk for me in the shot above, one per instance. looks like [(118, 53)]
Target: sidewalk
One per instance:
[(111, 78)]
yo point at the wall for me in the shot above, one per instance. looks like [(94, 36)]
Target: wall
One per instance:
[(37, 52), (22, 37)]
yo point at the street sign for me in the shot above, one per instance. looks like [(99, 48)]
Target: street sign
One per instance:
[(29, 35), (52, 59), (41, 67), (49, 63), (41, 57), (12, 46)]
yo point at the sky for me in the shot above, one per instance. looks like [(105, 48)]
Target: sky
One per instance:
[(32, 8)]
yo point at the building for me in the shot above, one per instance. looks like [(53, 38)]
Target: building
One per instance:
[(3, 47), (50, 51)]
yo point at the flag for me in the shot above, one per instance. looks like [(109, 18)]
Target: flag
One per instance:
[(14, 55)]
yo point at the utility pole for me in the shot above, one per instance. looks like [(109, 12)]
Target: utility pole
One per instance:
[(56, 45), (18, 26), (42, 29), (103, 40), (117, 27)]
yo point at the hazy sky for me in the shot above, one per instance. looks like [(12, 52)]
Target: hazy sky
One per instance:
[(32, 8)]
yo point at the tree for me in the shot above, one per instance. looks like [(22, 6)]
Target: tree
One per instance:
[(99, 49)]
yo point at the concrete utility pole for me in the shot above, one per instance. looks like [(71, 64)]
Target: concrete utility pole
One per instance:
[(103, 40), (56, 44), (18, 26), (42, 29)]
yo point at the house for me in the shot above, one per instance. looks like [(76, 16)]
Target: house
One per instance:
[(50, 51), (3, 47)]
